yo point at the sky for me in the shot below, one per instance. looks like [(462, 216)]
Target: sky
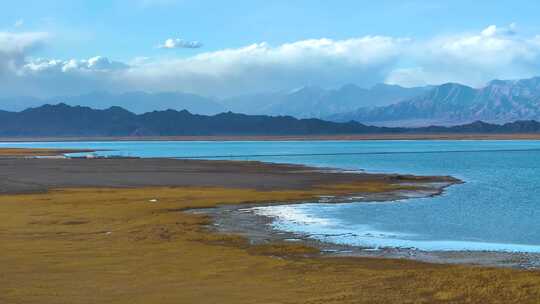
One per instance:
[(235, 47)]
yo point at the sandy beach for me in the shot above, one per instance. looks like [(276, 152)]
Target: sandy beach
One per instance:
[(123, 231)]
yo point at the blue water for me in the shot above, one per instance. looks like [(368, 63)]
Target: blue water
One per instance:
[(498, 208)]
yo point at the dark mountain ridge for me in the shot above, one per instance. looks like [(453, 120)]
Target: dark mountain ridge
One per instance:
[(65, 120)]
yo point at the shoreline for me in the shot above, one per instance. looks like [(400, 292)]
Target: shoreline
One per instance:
[(140, 244), (252, 223), (257, 228), (345, 137), (123, 227), (29, 175)]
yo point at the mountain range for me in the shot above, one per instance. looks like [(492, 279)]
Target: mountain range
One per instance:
[(65, 120), (137, 102), (305, 102), (316, 102), (499, 101)]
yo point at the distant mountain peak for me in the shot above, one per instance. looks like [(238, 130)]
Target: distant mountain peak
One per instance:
[(311, 89), (453, 92), (379, 86), (118, 110), (498, 82), (350, 86)]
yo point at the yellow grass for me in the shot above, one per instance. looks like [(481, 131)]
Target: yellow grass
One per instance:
[(20, 152), (115, 246)]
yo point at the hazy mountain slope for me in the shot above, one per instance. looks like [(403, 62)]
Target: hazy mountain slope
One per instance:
[(449, 104), (317, 102), (140, 102), (137, 102), (507, 100), (20, 103), (306, 102), (500, 101)]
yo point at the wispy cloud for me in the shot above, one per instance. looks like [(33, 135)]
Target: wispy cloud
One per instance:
[(16, 47), (177, 43), (18, 23), (21, 42)]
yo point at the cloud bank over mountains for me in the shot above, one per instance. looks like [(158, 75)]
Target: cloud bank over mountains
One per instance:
[(469, 58)]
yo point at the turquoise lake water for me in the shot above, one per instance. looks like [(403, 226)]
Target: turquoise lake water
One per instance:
[(498, 207)]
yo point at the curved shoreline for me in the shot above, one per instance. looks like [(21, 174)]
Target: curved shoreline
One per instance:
[(38, 175), (134, 241), (35, 180), (257, 228)]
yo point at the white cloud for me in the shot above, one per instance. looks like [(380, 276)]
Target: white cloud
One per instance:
[(256, 67), (94, 64), (15, 47), (177, 43), (21, 74), (473, 59), (469, 58), (261, 66), (493, 30), (156, 3), (18, 23), (104, 64), (21, 43)]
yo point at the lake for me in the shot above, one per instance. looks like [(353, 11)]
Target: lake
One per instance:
[(497, 208)]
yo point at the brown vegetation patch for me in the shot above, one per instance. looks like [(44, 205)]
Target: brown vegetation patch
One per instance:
[(131, 250)]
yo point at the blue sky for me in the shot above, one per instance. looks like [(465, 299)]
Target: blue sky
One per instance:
[(261, 45), (130, 28)]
